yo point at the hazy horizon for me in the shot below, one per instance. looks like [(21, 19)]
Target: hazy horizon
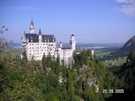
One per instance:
[(92, 21)]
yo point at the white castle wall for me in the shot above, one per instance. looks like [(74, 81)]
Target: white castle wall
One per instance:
[(35, 50)]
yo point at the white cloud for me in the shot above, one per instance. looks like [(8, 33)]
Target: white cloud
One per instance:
[(127, 6)]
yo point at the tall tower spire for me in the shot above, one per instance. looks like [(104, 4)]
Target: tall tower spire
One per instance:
[(32, 27), (73, 42)]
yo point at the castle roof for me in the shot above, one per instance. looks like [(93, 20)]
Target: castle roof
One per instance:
[(48, 38), (35, 37)]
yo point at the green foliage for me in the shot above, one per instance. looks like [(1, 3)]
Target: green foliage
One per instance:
[(44, 62), (126, 73), (48, 80), (82, 57), (131, 56), (24, 57)]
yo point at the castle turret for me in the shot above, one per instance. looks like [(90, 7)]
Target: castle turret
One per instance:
[(73, 42), (32, 27), (40, 36)]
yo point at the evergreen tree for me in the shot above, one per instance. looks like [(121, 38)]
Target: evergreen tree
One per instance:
[(24, 57), (44, 63), (127, 73)]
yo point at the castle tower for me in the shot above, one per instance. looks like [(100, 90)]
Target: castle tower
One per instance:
[(40, 35), (32, 27), (73, 42)]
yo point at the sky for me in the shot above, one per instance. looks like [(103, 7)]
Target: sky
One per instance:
[(92, 21)]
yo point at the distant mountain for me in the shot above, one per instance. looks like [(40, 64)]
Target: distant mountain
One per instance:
[(98, 46), (129, 45), (126, 48)]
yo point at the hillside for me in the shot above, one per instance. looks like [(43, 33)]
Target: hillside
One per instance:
[(126, 48), (129, 45)]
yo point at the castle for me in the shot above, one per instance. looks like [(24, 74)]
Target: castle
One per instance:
[(36, 44)]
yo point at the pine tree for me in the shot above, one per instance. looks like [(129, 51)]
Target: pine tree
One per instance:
[(44, 63), (24, 57), (127, 73)]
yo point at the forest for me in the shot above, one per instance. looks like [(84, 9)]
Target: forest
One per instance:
[(87, 79)]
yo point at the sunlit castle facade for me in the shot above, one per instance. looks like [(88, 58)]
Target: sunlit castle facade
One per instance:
[(36, 44)]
